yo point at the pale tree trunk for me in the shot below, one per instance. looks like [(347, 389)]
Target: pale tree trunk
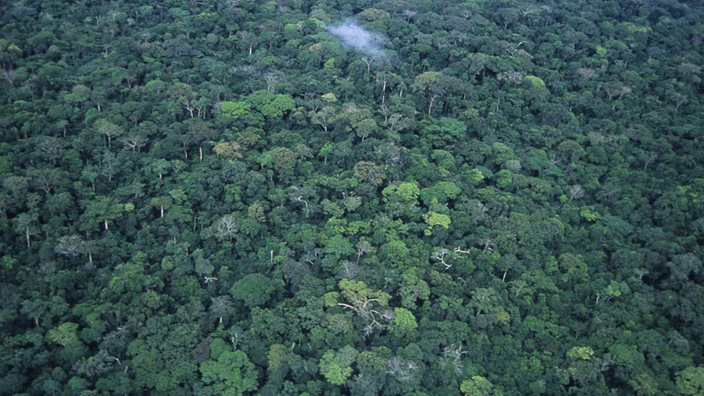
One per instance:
[(9, 77), (383, 93), (432, 103)]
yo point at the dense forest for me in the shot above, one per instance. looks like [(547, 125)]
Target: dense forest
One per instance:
[(352, 197)]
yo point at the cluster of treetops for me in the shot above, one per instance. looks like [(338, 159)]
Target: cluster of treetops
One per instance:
[(217, 198)]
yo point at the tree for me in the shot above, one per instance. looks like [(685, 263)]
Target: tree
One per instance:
[(434, 219), (339, 246), (370, 305), (247, 41), (108, 130), (233, 111), (134, 141), (576, 192), (478, 386), (71, 245), (440, 255), (690, 381), (683, 265), (254, 290), (229, 150), (203, 265), (362, 248), (413, 289), (572, 267), (284, 160), (428, 83), (9, 55), (74, 245), (434, 85), (440, 192), (302, 195), (103, 209), (409, 15), (366, 128), (272, 80), (485, 300), (404, 322), (226, 228), (271, 105), (323, 117), (222, 308), (369, 172), (335, 366), (325, 151), (26, 224), (64, 335), (232, 374)]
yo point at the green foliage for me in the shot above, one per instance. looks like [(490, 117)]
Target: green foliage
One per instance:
[(535, 82), (233, 111), (254, 290), (339, 245), (433, 219), (478, 386), (583, 353), (474, 176), (413, 288), (272, 106), (404, 322), (402, 199), (589, 214), (335, 366), (206, 198), (444, 131), (690, 381), (232, 374), (217, 347), (369, 172), (64, 335), (441, 192)]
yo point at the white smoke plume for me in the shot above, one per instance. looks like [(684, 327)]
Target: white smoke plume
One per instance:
[(353, 35)]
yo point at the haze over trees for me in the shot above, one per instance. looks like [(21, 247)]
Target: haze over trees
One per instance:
[(224, 198)]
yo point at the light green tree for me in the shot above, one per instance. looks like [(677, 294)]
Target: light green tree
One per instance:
[(478, 386), (404, 322), (434, 219), (64, 335), (233, 111), (231, 375), (690, 381), (335, 366)]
